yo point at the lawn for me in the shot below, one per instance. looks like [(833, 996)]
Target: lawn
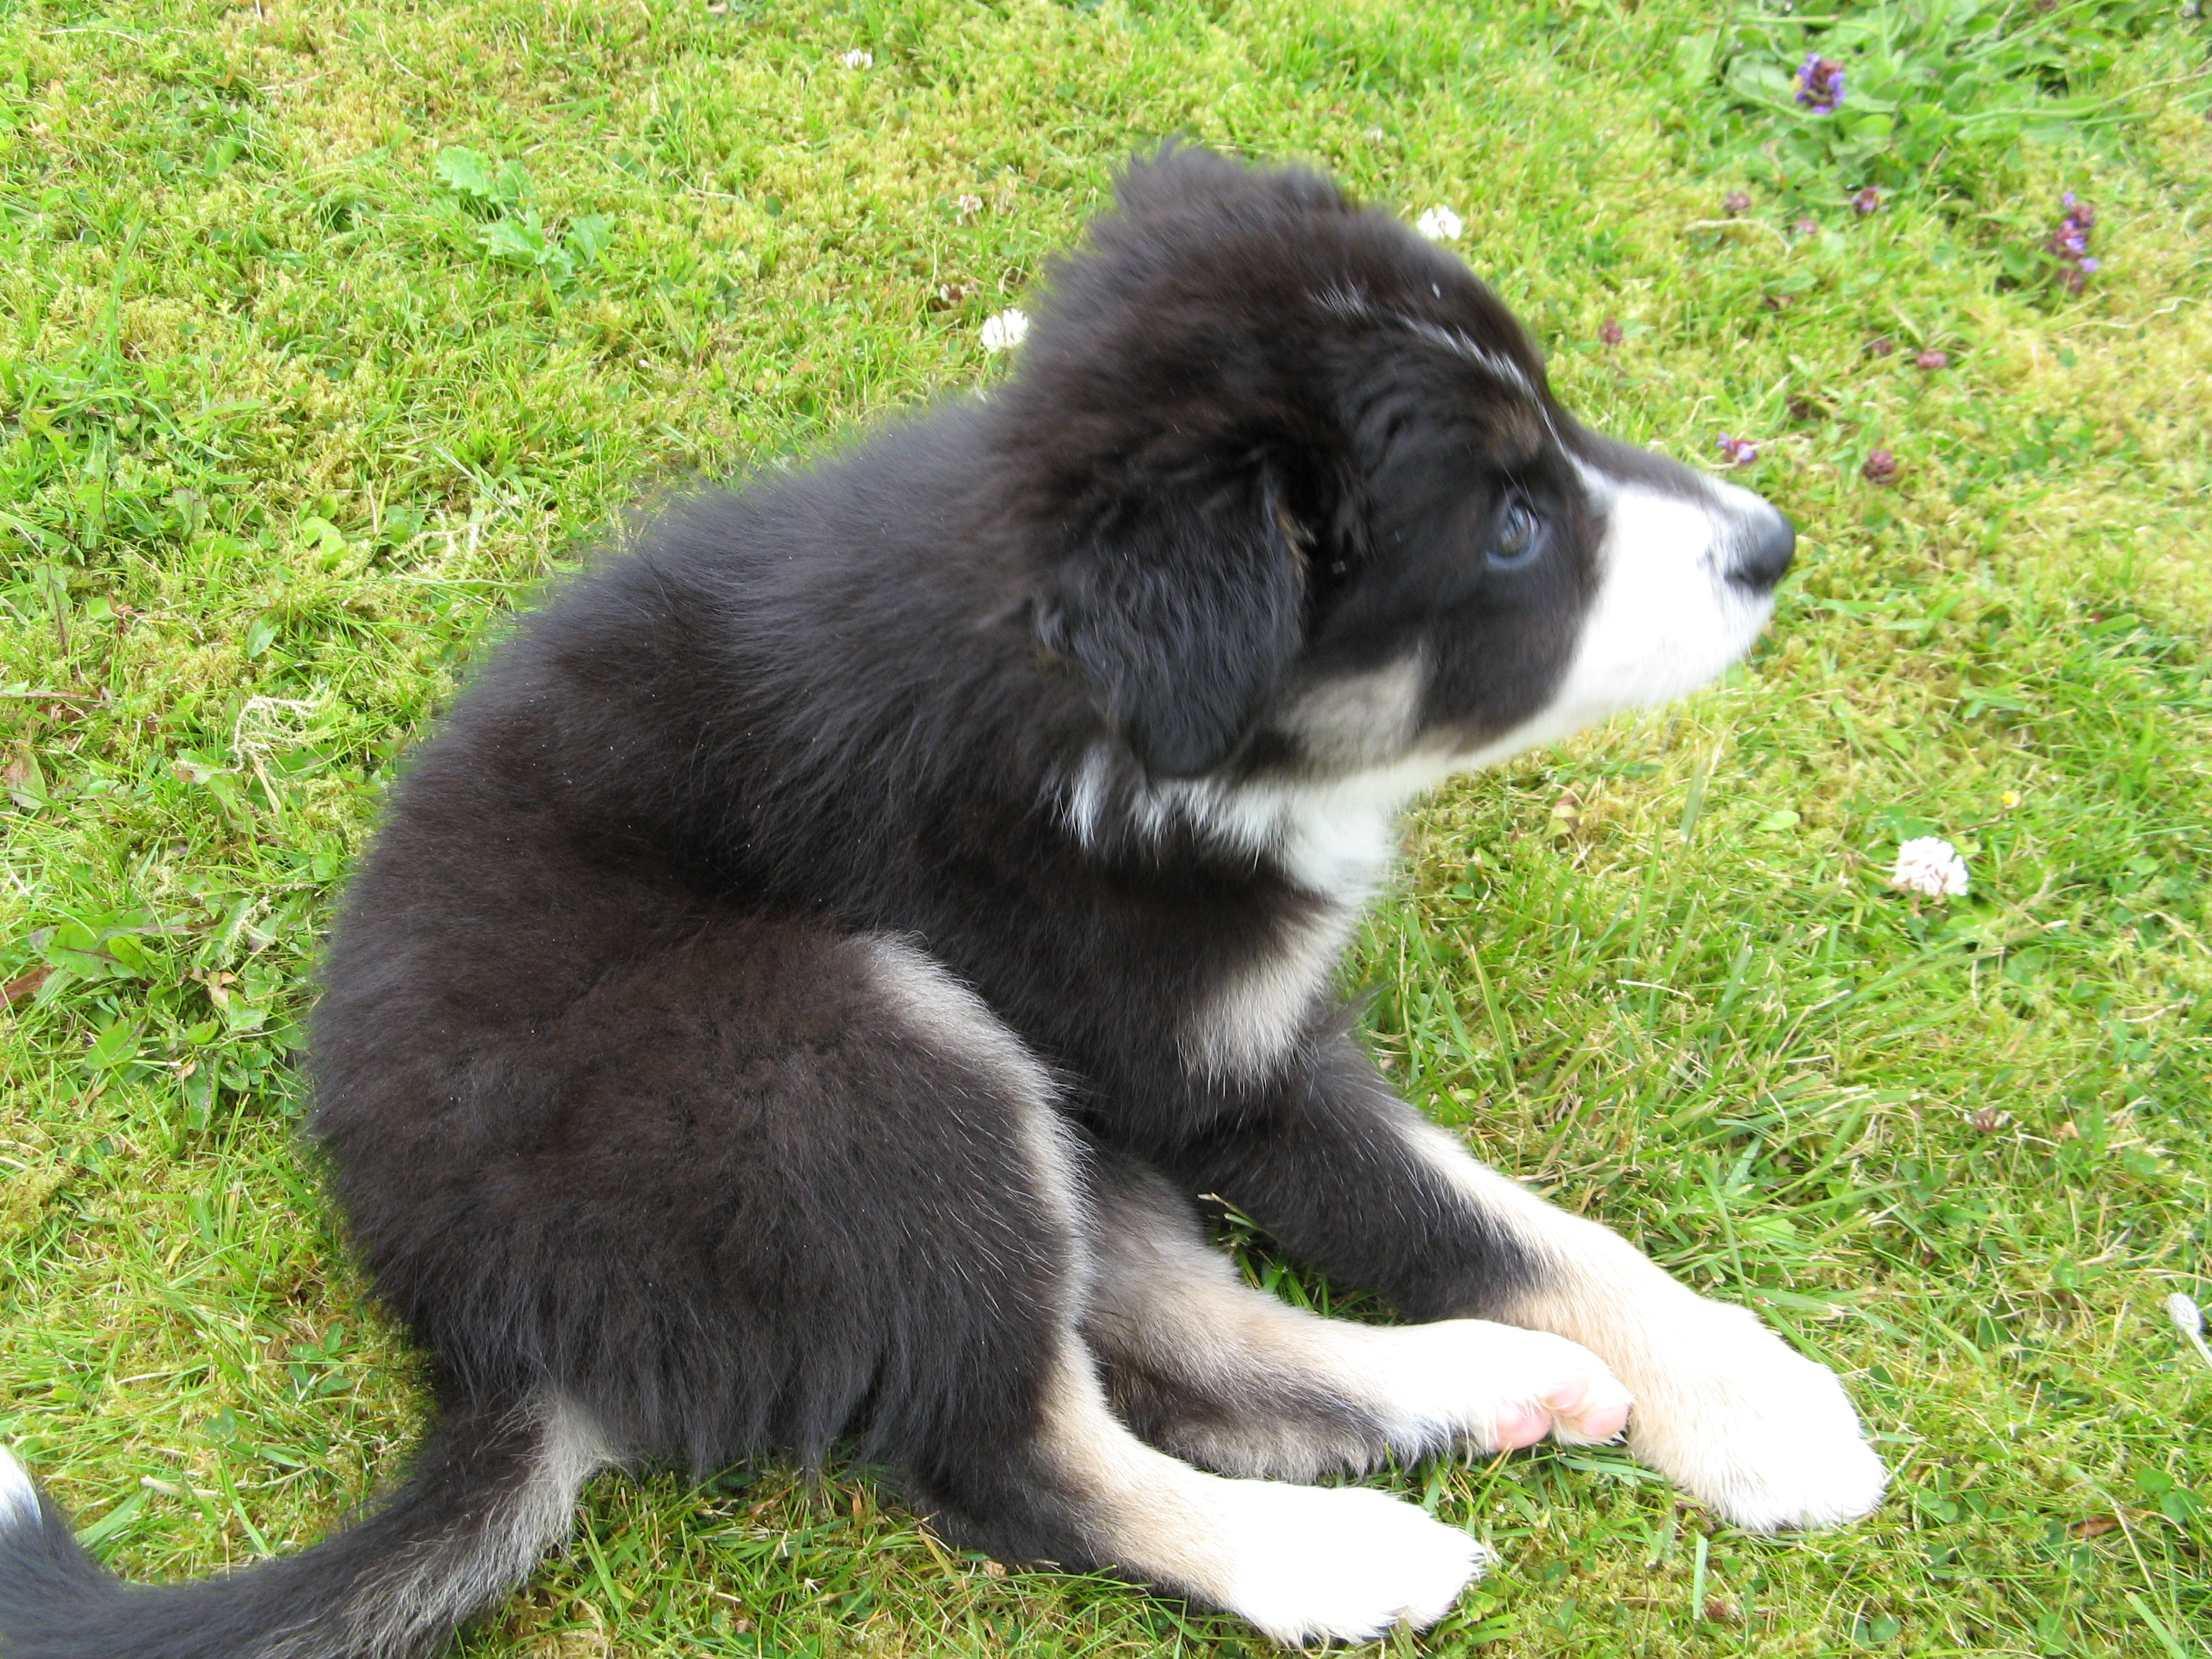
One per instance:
[(328, 334)]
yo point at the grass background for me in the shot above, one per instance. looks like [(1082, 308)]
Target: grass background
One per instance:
[(290, 413)]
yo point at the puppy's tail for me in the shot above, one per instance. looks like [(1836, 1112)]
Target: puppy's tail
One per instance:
[(495, 1486)]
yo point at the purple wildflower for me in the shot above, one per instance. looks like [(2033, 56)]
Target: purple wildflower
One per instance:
[(1738, 452), (1611, 333), (1736, 204), (1820, 83), (2070, 243), (1880, 346), (1881, 467), (1805, 226), (1932, 361), (1866, 201)]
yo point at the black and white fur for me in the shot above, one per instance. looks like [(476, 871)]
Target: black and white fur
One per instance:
[(796, 1002)]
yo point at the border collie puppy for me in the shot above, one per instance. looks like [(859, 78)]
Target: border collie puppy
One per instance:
[(799, 997)]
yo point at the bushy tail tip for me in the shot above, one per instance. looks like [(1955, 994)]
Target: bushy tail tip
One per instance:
[(495, 1486), (19, 1498)]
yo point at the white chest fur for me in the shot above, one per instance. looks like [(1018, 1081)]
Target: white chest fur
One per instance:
[(1254, 1018), (1334, 839)]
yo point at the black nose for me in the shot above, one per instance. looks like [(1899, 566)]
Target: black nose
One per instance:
[(1767, 550)]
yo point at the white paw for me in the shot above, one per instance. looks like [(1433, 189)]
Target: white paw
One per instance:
[(1338, 1564), (1497, 1387), (1742, 1422)]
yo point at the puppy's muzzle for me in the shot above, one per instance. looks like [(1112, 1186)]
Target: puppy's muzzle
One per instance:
[(1766, 552)]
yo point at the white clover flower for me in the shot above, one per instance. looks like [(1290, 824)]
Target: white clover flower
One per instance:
[(2189, 1319), (1930, 867), (1005, 331), (968, 203), (858, 59), (1440, 224)]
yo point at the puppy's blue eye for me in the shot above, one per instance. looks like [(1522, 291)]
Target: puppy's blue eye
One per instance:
[(1518, 540)]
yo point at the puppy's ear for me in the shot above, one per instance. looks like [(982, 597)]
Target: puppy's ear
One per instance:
[(1182, 612)]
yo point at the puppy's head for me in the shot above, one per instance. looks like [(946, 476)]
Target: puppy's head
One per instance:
[(1306, 507)]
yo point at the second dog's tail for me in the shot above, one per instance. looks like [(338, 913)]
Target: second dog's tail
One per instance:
[(495, 1486)]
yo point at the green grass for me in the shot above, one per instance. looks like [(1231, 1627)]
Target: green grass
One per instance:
[(287, 420)]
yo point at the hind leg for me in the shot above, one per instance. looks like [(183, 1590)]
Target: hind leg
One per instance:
[(766, 1187), (1301, 1563), (1203, 1366), (1018, 1452), (1072, 1487)]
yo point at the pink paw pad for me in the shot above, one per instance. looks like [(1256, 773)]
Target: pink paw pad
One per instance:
[(1520, 1425), (1567, 1410), (1575, 1411), (1609, 1423)]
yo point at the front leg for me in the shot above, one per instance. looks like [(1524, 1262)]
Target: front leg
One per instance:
[(1346, 1174)]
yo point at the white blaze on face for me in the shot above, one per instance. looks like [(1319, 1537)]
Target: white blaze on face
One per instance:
[(1666, 617)]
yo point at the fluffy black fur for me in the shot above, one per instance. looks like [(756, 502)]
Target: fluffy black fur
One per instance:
[(603, 1067)]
